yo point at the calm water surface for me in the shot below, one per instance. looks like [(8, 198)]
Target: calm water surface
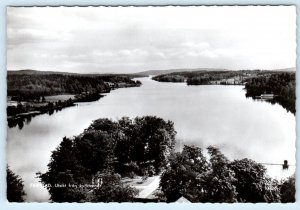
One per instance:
[(202, 115)]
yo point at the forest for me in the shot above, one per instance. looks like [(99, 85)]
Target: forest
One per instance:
[(25, 87), (144, 146)]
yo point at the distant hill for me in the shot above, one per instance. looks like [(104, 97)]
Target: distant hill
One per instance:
[(37, 72), (30, 71), (168, 71)]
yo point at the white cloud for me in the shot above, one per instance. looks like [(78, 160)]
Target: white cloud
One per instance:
[(128, 39)]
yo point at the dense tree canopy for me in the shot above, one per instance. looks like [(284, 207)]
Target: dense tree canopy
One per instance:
[(216, 179), (288, 190), (15, 187), (185, 175), (111, 148), (34, 86), (206, 77), (252, 184)]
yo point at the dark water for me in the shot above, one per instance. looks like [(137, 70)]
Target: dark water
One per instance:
[(203, 115)]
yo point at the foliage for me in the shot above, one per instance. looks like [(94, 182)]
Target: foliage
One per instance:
[(169, 78), (252, 184), (15, 187), (207, 77), (183, 175), (112, 189), (220, 181), (108, 147), (288, 190), (25, 87), (216, 179)]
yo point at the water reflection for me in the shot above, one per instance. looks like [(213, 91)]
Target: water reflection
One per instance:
[(26, 119), (288, 105)]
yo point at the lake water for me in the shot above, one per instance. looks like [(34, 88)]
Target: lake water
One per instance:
[(203, 115)]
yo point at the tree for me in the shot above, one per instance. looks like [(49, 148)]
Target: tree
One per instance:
[(288, 190), (252, 184), (220, 181), (95, 151), (62, 170), (154, 141), (184, 176), (15, 187)]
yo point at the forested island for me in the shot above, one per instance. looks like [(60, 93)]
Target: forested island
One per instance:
[(280, 85), (99, 165), (29, 88)]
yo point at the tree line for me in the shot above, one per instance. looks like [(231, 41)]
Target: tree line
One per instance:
[(206, 77), (25, 87)]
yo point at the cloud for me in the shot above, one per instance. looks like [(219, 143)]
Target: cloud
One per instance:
[(129, 39)]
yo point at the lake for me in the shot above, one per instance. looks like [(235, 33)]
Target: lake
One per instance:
[(203, 115)]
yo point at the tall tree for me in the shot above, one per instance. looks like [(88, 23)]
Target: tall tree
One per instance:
[(185, 176), (220, 181)]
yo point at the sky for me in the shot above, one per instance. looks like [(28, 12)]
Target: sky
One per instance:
[(134, 39)]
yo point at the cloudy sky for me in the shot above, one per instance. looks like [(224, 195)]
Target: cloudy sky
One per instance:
[(132, 39)]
